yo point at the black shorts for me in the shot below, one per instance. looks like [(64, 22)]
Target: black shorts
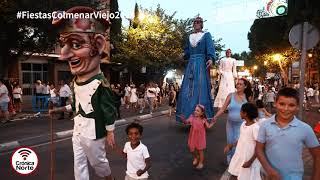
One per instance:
[(16, 100)]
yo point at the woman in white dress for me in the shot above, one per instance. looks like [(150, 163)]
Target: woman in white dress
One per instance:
[(133, 96), (227, 72)]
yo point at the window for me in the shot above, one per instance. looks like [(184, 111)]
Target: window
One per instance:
[(25, 66), (31, 72)]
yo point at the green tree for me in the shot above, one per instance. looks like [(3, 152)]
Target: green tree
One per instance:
[(115, 29), (264, 44), (156, 42)]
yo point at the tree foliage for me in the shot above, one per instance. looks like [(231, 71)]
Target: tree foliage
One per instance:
[(156, 41), (270, 36), (115, 29)]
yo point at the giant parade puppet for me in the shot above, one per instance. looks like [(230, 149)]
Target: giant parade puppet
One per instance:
[(196, 85), (228, 73), (82, 42)]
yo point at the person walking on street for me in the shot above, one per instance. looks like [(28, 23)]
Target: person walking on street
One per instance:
[(17, 97), (270, 97), (127, 91), (39, 90), (233, 103), (282, 138), (54, 100), (196, 85), (244, 164), (136, 154), (316, 95), (4, 101), (151, 96), (83, 43), (172, 99), (141, 97), (227, 72), (197, 135), (65, 94), (117, 98), (133, 96)]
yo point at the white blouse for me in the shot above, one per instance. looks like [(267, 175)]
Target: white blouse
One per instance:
[(195, 38)]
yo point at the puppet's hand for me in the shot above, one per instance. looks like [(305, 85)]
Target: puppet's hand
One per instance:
[(110, 139), (209, 63)]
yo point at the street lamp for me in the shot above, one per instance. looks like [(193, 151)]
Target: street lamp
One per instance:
[(141, 16), (255, 67), (277, 57), (309, 66)]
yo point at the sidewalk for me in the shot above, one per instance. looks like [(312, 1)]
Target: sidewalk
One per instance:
[(28, 112)]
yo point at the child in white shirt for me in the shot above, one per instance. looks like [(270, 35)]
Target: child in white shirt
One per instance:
[(138, 158)]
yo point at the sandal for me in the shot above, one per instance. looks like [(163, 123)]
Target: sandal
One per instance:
[(195, 161), (200, 166)]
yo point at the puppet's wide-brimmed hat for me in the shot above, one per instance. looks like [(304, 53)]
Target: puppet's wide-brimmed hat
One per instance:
[(80, 19)]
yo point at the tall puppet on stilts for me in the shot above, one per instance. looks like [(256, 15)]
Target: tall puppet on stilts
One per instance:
[(83, 42), (227, 72), (196, 85)]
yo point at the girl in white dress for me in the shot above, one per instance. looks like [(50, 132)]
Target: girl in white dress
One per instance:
[(133, 96), (244, 165), (227, 72)]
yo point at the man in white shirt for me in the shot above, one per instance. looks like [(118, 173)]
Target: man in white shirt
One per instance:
[(4, 100), (151, 95), (39, 93), (65, 93)]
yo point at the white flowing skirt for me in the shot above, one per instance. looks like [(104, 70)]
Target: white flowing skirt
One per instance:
[(226, 87)]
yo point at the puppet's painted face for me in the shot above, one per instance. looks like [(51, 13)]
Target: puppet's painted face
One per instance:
[(228, 53), (79, 52), (197, 25)]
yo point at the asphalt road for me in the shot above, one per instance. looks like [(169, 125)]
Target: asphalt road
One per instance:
[(167, 144)]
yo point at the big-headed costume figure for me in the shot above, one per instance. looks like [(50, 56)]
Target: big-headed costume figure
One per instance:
[(196, 85), (82, 43)]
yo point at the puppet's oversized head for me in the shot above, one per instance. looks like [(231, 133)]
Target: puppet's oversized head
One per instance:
[(198, 24), (82, 41)]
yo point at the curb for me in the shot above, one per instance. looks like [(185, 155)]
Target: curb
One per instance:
[(226, 175), (8, 146)]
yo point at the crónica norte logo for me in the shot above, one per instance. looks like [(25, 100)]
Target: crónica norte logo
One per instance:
[(24, 161)]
